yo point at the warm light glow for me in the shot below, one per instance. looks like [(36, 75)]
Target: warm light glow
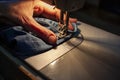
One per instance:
[(53, 63)]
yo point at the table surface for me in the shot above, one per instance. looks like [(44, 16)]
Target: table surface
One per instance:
[(97, 57)]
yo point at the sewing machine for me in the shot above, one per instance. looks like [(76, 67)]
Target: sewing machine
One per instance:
[(66, 6), (96, 58)]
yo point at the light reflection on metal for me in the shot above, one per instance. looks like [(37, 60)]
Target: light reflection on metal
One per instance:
[(53, 63)]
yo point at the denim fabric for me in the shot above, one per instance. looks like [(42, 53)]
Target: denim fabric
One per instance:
[(25, 43)]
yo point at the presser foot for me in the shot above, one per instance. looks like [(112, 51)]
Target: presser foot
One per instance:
[(62, 31)]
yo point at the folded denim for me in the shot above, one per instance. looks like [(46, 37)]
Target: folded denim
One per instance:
[(25, 43)]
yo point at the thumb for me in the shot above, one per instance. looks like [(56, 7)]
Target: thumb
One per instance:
[(42, 32)]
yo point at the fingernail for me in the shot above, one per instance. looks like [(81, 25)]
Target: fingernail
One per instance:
[(52, 39)]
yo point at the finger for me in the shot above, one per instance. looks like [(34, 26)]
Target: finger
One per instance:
[(70, 27), (48, 11), (73, 20), (42, 32), (37, 10)]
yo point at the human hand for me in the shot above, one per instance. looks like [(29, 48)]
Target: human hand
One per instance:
[(22, 12)]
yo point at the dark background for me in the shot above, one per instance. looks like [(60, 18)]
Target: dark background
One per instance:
[(104, 14)]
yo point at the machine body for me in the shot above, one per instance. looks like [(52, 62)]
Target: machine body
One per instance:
[(66, 6)]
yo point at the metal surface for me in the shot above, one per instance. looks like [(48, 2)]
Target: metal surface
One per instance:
[(43, 59), (96, 58), (63, 24)]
